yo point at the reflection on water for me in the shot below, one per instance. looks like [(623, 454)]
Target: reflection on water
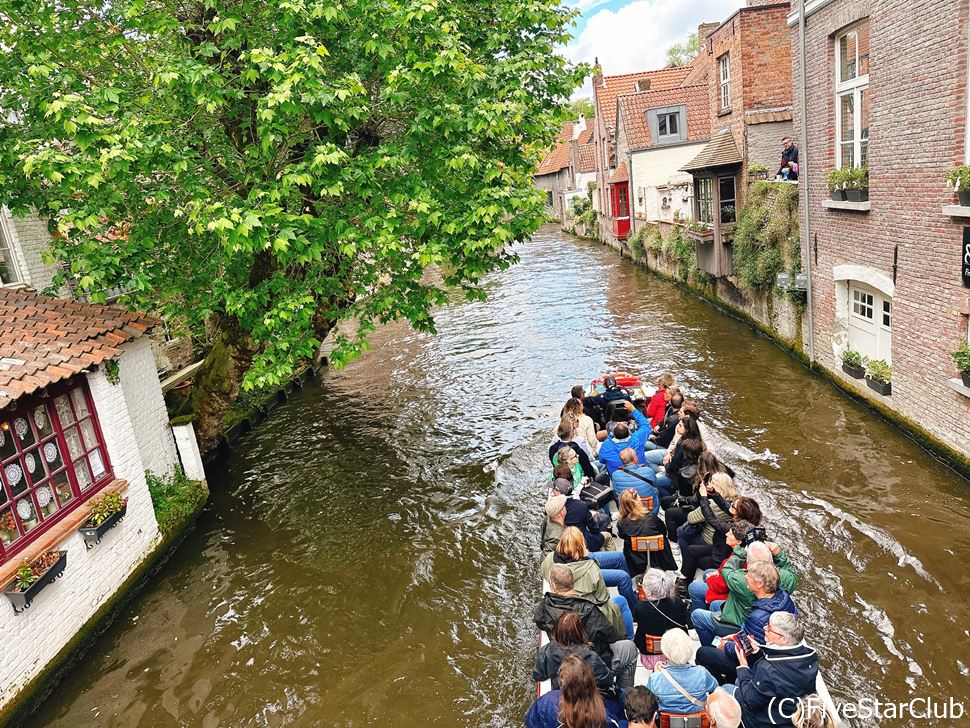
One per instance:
[(369, 553)]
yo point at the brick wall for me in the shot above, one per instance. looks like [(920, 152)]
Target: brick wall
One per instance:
[(918, 97), (556, 183), (31, 639), (764, 144), (29, 239)]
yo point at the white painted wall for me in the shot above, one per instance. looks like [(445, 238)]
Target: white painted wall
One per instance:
[(146, 406), (28, 237), (658, 167), (34, 637)]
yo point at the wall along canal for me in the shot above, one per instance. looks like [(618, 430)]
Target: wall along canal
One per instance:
[(368, 555)]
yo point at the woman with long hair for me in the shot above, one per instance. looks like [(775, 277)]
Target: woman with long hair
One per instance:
[(576, 704), (585, 429), (636, 520), (569, 638)]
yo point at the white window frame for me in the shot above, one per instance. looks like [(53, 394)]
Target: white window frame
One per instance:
[(854, 88), (724, 70), (669, 135), (883, 313), (863, 301), (7, 246)]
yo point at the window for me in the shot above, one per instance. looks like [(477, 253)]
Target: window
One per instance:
[(726, 200), (705, 203), (887, 314), (623, 208), (8, 265), (862, 303), (52, 458), (667, 125), (852, 97), (724, 66)]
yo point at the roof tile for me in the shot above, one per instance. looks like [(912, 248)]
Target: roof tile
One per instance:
[(721, 151), (633, 113)]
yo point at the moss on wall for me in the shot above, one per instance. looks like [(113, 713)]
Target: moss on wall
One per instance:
[(766, 238)]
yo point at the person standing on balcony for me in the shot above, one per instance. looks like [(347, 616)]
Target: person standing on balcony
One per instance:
[(789, 159)]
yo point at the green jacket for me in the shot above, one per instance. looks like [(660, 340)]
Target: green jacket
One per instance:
[(740, 599), (588, 583), (577, 471), (551, 533)]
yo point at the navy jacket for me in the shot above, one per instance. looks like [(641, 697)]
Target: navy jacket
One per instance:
[(761, 611), (769, 689)]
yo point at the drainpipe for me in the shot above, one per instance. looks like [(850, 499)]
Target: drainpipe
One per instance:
[(631, 193), (803, 182)]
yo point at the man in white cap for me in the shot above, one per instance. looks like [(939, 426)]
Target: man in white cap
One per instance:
[(555, 522)]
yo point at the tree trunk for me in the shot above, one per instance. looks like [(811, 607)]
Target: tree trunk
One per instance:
[(216, 384)]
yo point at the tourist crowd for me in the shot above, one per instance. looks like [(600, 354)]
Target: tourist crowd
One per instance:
[(720, 639)]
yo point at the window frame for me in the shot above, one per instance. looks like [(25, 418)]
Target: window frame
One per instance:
[(701, 184), (26, 408), (732, 200), (724, 76), (7, 251), (653, 124), (869, 304), (853, 88)]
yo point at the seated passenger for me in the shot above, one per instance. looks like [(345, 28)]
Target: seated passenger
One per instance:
[(778, 673), (585, 429), (723, 710), (579, 516), (702, 538), (612, 393), (592, 579), (741, 597), (669, 682), (657, 409), (567, 459), (635, 520), (640, 707), (712, 591), (554, 523), (567, 433), (569, 637), (577, 703), (606, 640), (633, 475), (660, 611), (664, 434), (692, 410), (621, 439), (762, 579)]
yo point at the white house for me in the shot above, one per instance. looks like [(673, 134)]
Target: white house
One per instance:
[(81, 415)]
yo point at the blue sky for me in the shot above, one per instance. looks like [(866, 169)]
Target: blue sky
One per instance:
[(633, 35)]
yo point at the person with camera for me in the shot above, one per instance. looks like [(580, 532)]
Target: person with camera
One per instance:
[(763, 580), (622, 438), (613, 392), (741, 598), (773, 677)]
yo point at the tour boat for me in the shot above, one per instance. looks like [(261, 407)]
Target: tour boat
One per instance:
[(634, 387)]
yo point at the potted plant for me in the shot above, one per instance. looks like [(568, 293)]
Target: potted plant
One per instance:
[(879, 376), (702, 232), (108, 510), (958, 179), (962, 357), (836, 183), (8, 527), (857, 184), (853, 364), (34, 576), (758, 171)]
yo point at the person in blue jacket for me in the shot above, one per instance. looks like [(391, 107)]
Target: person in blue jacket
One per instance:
[(577, 696), (622, 438)]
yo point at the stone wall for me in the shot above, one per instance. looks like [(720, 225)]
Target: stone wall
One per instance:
[(764, 144), (33, 638), (28, 238)]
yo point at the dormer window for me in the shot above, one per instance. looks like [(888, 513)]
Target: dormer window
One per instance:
[(667, 125)]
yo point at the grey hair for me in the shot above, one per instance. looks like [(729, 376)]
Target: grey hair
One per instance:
[(812, 713), (724, 709), (659, 584), (765, 574), (677, 646), (759, 551), (787, 626), (561, 578)]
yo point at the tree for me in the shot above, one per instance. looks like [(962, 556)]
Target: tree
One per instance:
[(680, 54), (266, 169), (581, 107)]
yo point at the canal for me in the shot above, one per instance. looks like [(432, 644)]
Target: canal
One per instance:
[(368, 555)]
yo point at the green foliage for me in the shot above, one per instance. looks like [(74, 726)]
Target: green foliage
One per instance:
[(175, 498), (856, 178), (853, 358), (766, 238), (836, 178), (654, 241), (958, 178), (112, 371), (580, 205), (680, 54), (681, 249), (105, 507), (272, 167), (962, 357), (757, 169), (25, 576), (635, 242), (879, 370), (582, 107)]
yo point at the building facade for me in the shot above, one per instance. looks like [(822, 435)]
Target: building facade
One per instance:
[(886, 271)]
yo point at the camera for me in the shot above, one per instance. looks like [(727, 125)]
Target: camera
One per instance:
[(757, 533)]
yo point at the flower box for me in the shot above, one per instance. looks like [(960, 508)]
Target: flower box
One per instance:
[(21, 599), (856, 372), (93, 534), (701, 236), (857, 195), (884, 388)]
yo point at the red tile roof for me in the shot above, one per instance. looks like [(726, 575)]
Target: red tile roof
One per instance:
[(620, 175), (611, 87), (45, 340), (633, 113), (765, 117), (558, 158), (587, 158)]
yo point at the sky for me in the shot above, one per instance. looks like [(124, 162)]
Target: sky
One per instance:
[(634, 35)]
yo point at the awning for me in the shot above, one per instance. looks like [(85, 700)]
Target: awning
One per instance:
[(721, 151)]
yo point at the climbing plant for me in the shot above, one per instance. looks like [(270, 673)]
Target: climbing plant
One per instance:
[(682, 250), (766, 237)]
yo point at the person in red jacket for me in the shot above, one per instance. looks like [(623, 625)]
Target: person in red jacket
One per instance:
[(703, 594), (658, 403)]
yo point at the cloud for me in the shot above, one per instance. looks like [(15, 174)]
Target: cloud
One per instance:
[(636, 37), (584, 6)]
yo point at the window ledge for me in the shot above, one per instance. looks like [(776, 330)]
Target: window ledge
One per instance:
[(58, 533), (958, 386), (956, 211), (724, 112), (849, 206)]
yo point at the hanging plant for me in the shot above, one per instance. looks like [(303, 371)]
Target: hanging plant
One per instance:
[(112, 371)]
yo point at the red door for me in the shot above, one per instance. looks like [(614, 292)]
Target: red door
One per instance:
[(620, 199)]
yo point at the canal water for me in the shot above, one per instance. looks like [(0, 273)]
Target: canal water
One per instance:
[(369, 554)]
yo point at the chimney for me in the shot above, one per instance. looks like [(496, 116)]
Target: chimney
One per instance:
[(598, 79), (705, 29)]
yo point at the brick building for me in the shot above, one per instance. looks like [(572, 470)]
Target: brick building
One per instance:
[(887, 89), (750, 92), (554, 175)]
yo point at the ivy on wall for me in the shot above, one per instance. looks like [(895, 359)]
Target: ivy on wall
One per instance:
[(766, 238)]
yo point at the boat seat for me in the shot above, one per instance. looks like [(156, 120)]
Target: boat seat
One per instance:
[(651, 644), (647, 502), (646, 545), (689, 720)]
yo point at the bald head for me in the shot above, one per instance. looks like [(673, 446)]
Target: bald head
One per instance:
[(561, 578)]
